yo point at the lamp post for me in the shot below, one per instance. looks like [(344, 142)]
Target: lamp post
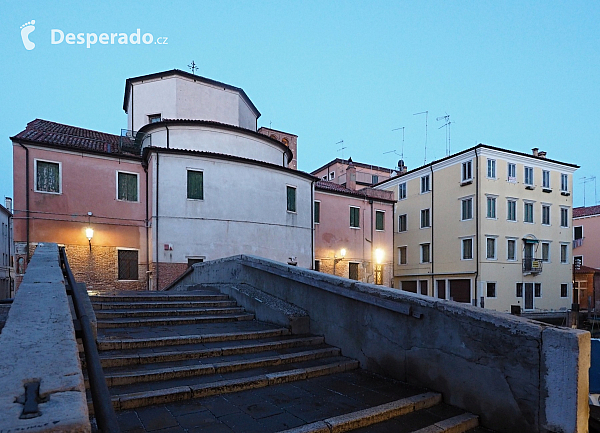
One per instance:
[(89, 231), (336, 259), (379, 254)]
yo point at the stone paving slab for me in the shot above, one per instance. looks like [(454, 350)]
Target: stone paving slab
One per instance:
[(279, 407)]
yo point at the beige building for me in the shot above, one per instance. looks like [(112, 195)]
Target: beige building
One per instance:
[(487, 226)]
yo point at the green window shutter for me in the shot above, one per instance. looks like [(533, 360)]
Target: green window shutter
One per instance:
[(354, 217), (127, 187), (317, 212), (379, 220), (47, 177), (195, 185), (291, 199)]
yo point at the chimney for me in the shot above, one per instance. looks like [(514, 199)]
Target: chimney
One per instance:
[(401, 167), (535, 151), (8, 203), (351, 176), (542, 154)]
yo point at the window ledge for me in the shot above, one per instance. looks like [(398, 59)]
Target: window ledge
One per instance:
[(565, 193), (547, 190), (466, 182), (355, 228), (48, 192), (530, 187)]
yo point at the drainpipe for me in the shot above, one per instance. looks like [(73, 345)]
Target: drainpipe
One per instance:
[(26, 193), (132, 118), (432, 227), (156, 240), (147, 234), (167, 136), (372, 243), (476, 221), (312, 225)]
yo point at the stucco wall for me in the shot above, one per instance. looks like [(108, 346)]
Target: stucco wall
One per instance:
[(516, 374), (591, 240)]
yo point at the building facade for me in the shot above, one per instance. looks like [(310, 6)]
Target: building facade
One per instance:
[(354, 231), (191, 179), (487, 226), (586, 236), (6, 251), (366, 174)]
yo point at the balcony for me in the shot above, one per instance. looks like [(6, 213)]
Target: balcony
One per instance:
[(532, 266), (577, 243)]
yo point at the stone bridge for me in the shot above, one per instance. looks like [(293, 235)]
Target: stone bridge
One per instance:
[(246, 344)]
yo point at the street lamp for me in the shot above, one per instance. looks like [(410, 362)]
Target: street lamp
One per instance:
[(89, 234), (379, 255), (336, 259), (378, 272)]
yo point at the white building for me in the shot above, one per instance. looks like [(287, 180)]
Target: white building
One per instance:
[(216, 186), (6, 251)]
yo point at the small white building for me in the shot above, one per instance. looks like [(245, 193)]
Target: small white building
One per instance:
[(216, 186), (6, 251)]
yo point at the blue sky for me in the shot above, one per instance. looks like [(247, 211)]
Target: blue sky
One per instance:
[(511, 74)]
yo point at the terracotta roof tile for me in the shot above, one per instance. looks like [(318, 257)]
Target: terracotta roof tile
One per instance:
[(362, 193), (585, 270), (586, 211), (60, 135)]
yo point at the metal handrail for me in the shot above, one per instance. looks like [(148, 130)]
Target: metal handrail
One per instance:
[(103, 409)]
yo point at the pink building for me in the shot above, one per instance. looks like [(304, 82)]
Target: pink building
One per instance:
[(586, 235), (366, 174), (354, 230)]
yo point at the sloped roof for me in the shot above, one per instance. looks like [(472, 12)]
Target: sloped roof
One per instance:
[(54, 134), (586, 211), (375, 194), (585, 270)]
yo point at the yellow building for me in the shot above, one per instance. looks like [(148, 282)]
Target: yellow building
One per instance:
[(487, 226)]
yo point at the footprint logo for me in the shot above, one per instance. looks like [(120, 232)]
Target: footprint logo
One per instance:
[(26, 30)]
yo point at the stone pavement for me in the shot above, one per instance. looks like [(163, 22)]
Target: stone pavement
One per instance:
[(196, 362)]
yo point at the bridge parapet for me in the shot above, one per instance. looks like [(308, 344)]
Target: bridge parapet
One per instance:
[(38, 344)]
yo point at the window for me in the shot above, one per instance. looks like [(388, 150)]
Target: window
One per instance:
[(127, 188), (564, 289), (332, 175), (402, 191), (423, 287), (154, 118), (193, 260), (353, 271), (528, 212), (491, 168), (564, 253), (546, 179), (374, 178), (467, 249), (424, 218), (578, 232), (537, 290), (424, 253), (511, 249), (441, 289), (425, 184), (47, 176), (325, 177), (128, 264), (490, 248), (318, 265), (545, 214), (491, 290), (545, 251), (466, 212), (529, 176), (291, 198), (379, 220), (402, 223), (491, 207), (402, 255), (564, 182), (317, 212), (467, 173), (511, 210), (512, 172), (354, 217), (519, 292), (195, 185), (564, 217)]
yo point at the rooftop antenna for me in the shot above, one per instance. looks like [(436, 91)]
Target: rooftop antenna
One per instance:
[(343, 147), (426, 113), (193, 67), (585, 180), (446, 119), (402, 150)]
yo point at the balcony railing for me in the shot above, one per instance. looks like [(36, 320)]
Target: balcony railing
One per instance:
[(577, 243), (532, 266)]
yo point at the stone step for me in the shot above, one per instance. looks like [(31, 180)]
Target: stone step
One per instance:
[(137, 357), (158, 297), (170, 321), (372, 415), (124, 344), (130, 400), (167, 312), (143, 304), (165, 373)]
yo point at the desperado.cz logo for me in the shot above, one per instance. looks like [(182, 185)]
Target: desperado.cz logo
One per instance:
[(57, 37)]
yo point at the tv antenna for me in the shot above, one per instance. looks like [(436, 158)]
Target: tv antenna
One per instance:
[(193, 67), (426, 113), (446, 119), (585, 180), (402, 150), (342, 148)]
